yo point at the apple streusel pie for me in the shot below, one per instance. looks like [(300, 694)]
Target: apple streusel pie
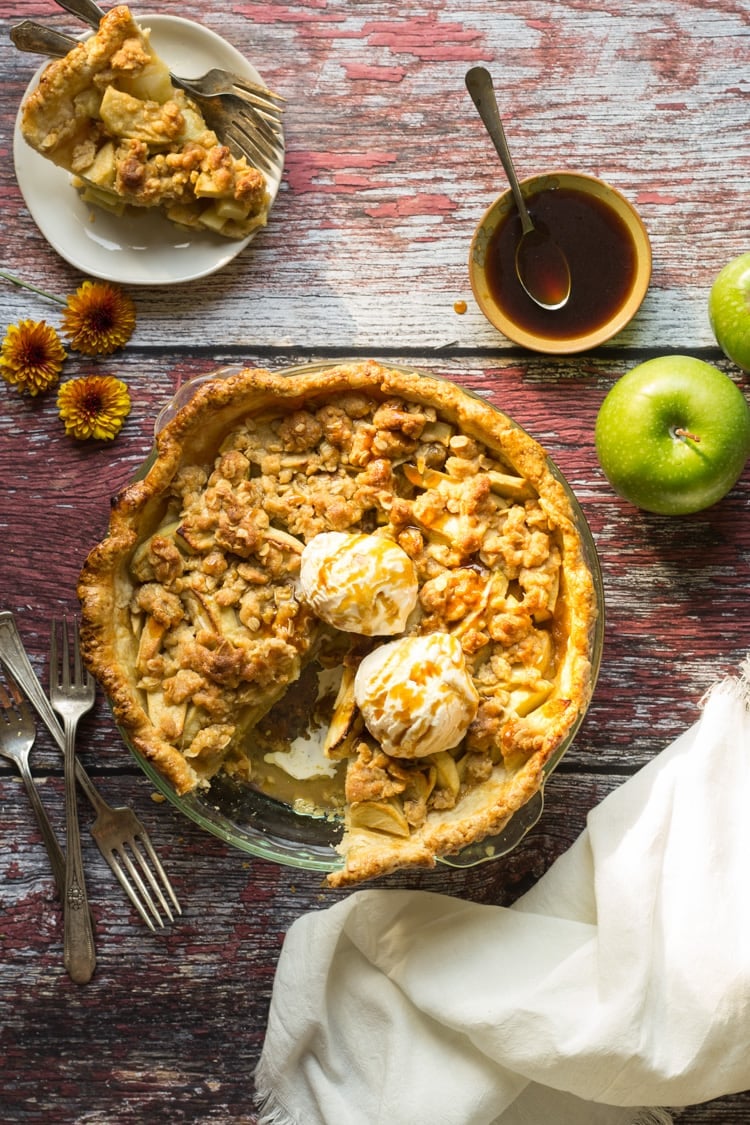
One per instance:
[(108, 113), (375, 521)]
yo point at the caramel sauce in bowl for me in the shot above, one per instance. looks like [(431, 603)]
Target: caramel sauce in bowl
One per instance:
[(607, 248)]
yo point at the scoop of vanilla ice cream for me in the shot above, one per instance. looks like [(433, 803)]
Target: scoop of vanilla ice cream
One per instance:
[(358, 583), (415, 695)]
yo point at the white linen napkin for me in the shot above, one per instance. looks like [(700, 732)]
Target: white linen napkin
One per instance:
[(620, 981)]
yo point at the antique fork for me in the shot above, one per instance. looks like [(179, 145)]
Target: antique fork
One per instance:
[(237, 118), (72, 698), (115, 829), (17, 737)]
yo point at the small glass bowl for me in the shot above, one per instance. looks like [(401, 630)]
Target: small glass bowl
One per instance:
[(548, 337), (257, 824)]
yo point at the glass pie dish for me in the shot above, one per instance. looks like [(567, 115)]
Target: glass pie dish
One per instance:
[(249, 819)]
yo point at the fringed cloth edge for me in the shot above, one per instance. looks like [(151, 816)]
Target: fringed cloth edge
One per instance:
[(271, 1112)]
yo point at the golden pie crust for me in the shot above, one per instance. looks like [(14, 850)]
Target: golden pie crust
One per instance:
[(193, 622), (108, 113)]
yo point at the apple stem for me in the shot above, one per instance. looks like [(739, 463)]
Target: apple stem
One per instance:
[(681, 433)]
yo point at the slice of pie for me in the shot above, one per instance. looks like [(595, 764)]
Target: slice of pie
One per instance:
[(367, 519), (108, 113)]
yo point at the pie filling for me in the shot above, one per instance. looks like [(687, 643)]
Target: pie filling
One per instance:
[(440, 677), (108, 113)]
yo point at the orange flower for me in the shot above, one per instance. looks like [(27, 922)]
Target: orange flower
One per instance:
[(94, 406), (31, 356), (98, 319)]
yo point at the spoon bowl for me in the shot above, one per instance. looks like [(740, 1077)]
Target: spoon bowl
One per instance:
[(541, 265)]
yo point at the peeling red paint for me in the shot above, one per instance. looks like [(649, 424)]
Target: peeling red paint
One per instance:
[(657, 197), (425, 37), (375, 73), (413, 205), (352, 180), (328, 172), (278, 13)]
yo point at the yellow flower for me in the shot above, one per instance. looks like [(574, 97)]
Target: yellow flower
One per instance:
[(31, 356), (98, 318), (94, 406)]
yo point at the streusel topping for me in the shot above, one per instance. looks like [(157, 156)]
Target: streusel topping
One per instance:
[(109, 113), (218, 626)]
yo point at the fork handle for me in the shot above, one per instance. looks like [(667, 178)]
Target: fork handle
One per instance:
[(79, 955), (54, 851), (40, 40), (85, 10)]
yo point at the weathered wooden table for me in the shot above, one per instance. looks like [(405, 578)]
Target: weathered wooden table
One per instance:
[(388, 170)]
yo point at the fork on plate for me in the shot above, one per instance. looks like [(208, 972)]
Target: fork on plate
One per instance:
[(245, 116), (118, 832), (72, 692), (212, 84)]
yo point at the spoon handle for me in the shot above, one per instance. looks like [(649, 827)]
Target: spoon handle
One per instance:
[(40, 40), (85, 10), (480, 87)]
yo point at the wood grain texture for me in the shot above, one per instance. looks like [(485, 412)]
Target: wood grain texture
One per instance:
[(388, 171)]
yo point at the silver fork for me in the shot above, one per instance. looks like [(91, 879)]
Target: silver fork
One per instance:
[(115, 830), (245, 116), (17, 737), (72, 697)]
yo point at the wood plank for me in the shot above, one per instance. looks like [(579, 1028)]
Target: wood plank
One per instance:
[(399, 182), (388, 171)]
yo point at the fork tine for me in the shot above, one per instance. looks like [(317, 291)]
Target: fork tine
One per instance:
[(216, 83), (16, 699), (160, 871), (142, 887), (120, 862), (53, 659), (152, 882), (269, 113), (267, 127), (253, 144), (236, 108), (244, 131), (261, 94), (59, 661), (119, 869), (272, 120), (244, 146), (250, 125), (77, 654), (12, 693), (65, 656)]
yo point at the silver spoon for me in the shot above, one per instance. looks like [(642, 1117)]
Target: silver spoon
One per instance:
[(541, 266)]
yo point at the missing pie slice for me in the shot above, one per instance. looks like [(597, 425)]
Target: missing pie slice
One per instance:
[(196, 619), (108, 113)]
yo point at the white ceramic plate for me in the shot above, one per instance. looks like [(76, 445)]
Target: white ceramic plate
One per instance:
[(137, 249)]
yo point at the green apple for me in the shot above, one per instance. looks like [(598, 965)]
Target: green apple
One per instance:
[(673, 435), (729, 310)]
